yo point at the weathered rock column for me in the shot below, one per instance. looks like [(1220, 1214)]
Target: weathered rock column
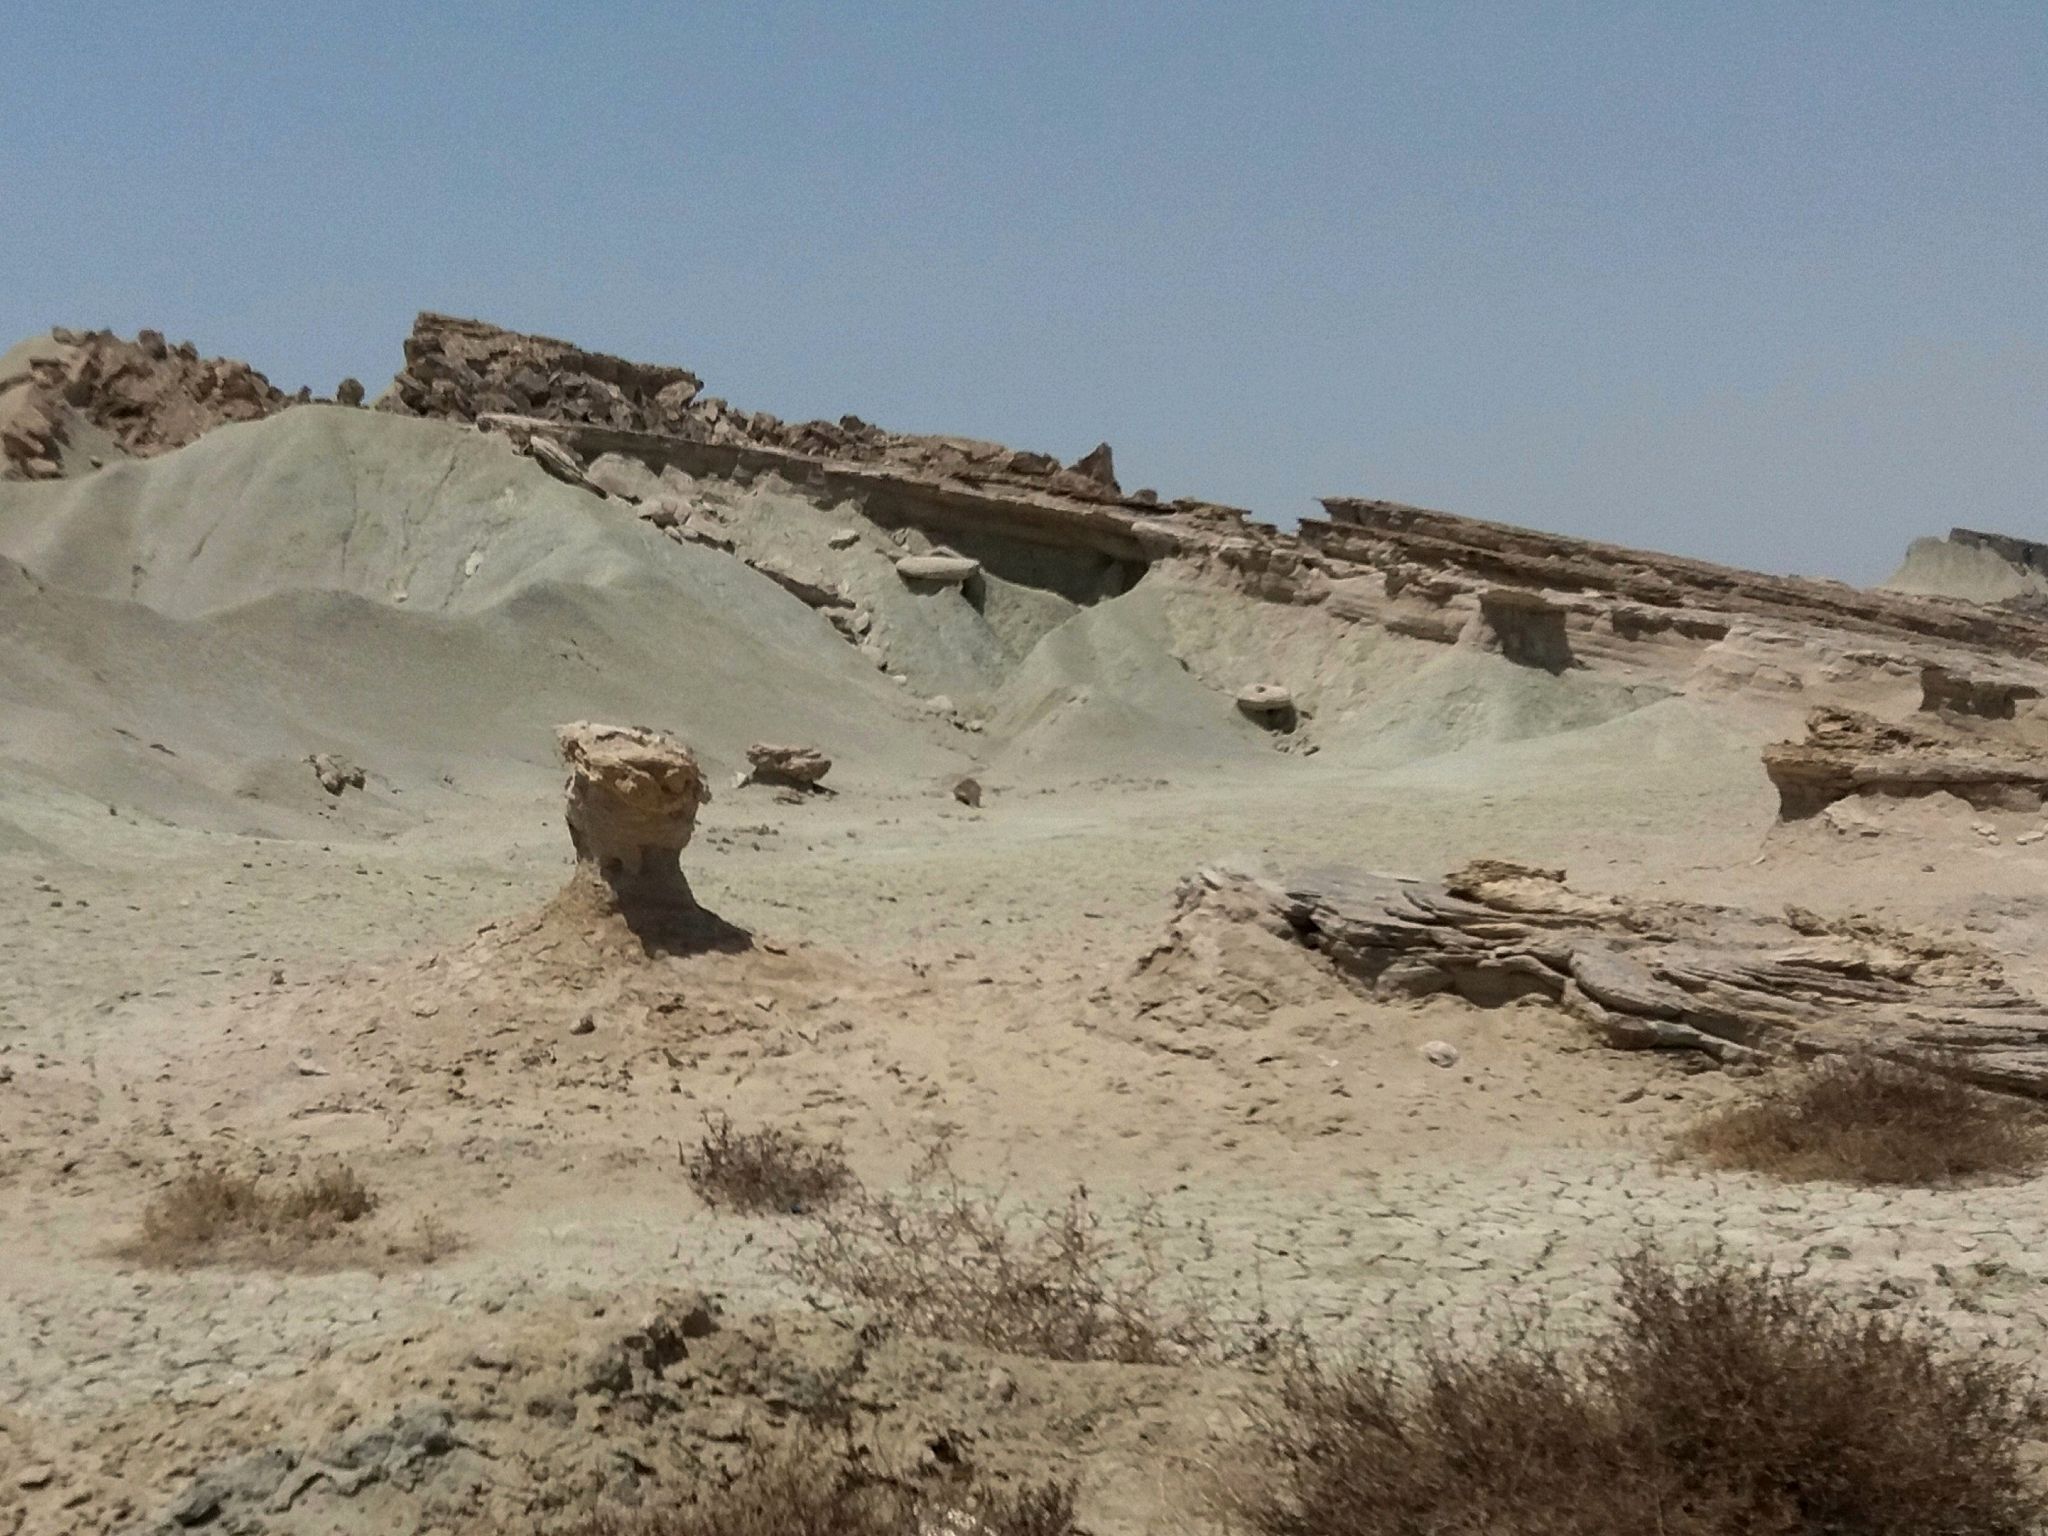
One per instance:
[(632, 796)]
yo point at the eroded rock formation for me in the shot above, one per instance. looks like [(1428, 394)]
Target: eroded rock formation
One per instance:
[(1643, 974), (1849, 753), (632, 802), (1946, 691)]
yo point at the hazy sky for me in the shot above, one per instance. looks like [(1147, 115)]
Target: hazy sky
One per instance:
[(1764, 283)]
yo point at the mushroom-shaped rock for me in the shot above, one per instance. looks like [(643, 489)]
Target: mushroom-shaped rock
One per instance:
[(942, 570), (796, 767), (633, 796), (1267, 704), (1264, 698)]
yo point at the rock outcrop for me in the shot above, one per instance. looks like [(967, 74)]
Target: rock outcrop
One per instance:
[(1734, 984), (461, 369), (464, 370), (632, 802), (87, 395), (1946, 691), (1849, 753)]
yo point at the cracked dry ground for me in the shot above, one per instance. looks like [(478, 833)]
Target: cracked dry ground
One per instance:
[(923, 970)]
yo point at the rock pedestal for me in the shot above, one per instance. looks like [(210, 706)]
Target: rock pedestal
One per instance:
[(632, 797)]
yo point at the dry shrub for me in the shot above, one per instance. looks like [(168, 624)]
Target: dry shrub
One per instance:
[(212, 1215), (1725, 1401), (805, 1488), (944, 1263), (766, 1170), (1870, 1121)]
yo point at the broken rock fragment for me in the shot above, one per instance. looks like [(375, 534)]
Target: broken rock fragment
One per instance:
[(335, 773), (792, 767), (941, 570)]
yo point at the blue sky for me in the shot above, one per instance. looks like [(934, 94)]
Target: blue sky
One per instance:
[(1762, 283)]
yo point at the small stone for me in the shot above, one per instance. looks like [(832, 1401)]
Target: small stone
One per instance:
[(583, 1026), (845, 538), (1440, 1053), (200, 1504), (36, 1475), (968, 791), (2028, 839)]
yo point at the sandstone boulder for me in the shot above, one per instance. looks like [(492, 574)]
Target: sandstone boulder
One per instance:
[(793, 767)]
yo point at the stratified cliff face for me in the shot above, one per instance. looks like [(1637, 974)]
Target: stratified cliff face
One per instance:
[(82, 396), (1642, 587)]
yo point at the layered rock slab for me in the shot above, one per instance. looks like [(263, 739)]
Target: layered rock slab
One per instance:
[(1849, 753), (1736, 984)]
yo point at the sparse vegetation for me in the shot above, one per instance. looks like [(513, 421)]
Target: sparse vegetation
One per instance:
[(1724, 1400), (946, 1263), (1871, 1121), (215, 1215), (809, 1488), (770, 1169)]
